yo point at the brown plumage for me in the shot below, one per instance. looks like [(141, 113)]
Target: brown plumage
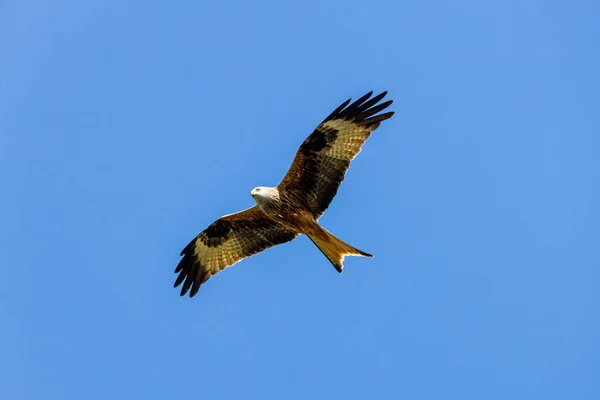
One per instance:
[(295, 205)]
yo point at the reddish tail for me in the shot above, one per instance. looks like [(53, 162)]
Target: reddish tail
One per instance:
[(333, 248)]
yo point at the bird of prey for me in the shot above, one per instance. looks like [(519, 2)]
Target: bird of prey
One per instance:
[(295, 205)]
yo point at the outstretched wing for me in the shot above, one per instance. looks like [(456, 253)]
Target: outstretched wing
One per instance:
[(225, 242), (323, 159)]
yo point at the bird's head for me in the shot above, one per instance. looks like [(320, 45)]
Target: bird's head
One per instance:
[(265, 197), (260, 191)]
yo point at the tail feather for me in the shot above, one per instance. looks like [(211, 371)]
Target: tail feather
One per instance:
[(333, 248)]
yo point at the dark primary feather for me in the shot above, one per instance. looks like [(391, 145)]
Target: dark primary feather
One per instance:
[(324, 157), (225, 242)]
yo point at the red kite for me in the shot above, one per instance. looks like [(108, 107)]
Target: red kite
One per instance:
[(295, 205)]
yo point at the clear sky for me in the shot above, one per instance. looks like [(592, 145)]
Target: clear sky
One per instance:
[(126, 128)]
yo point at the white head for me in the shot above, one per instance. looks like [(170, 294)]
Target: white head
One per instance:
[(262, 191), (265, 197)]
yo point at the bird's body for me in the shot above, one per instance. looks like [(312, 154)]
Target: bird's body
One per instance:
[(282, 208), (295, 205)]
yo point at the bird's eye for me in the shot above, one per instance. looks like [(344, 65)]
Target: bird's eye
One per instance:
[(258, 190)]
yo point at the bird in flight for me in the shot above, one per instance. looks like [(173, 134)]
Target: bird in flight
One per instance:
[(295, 205)]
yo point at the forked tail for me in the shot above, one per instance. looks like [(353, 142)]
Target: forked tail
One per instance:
[(333, 248)]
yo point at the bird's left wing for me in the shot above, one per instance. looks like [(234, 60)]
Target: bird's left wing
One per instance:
[(226, 241), (323, 159)]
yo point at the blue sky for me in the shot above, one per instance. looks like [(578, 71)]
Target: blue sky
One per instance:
[(126, 129)]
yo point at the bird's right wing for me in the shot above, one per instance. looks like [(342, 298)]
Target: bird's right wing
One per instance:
[(226, 241)]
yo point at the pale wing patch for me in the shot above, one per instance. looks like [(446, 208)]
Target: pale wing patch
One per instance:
[(218, 258), (337, 124), (349, 140), (211, 258), (229, 253)]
